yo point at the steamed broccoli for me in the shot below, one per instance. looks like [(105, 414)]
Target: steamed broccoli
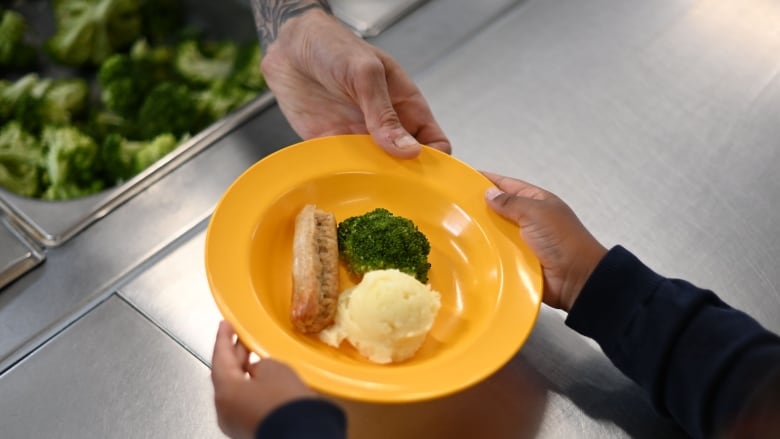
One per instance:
[(100, 123), (21, 161), (89, 31), (125, 79), (34, 101), (124, 158), (70, 190), (246, 72), (222, 98), (15, 52), (64, 101), (154, 150), (70, 159), (27, 110), (170, 108), (122, 86), (13, 94), (203, 62), (155, 62), (156, 83), (380, 240)]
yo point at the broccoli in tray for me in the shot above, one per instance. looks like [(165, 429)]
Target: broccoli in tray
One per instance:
[(15, 51), (379, 240), (138, 88), (90, 31)]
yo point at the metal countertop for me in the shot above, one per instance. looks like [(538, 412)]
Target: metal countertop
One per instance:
[(655, 121), (658, 123)]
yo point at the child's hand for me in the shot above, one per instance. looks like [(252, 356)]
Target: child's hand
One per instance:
[(567, 251), (245, 393)]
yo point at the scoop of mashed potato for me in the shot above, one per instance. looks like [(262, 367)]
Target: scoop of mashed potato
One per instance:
[(385, 317)]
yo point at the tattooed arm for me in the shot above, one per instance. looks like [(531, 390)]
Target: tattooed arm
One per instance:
[(271, 15), (328, 81)]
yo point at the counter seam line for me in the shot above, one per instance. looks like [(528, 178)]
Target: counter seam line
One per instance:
[(162, 329), (103, 292), (53, 330)]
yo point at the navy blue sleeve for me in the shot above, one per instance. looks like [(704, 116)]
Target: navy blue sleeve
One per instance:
[(304, 419), (698, 359)]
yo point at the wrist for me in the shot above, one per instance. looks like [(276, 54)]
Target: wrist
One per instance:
[(273, 17), (588, 259)]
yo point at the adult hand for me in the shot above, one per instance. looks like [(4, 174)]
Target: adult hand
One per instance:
[(328, 81), (244, 392), (566, 250)]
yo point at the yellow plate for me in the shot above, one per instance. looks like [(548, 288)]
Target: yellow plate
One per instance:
[(489, 280)]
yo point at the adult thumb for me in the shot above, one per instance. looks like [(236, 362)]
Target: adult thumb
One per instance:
[(383, 122), (509, 206)]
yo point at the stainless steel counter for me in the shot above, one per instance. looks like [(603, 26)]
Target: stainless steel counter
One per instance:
[(112, 374), (655, 121), (19, 253)]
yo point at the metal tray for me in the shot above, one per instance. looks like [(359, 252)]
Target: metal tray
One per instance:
[(370, 17), (51, 223), (17, 254)]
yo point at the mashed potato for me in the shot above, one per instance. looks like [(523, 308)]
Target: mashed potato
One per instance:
[(385, 317)]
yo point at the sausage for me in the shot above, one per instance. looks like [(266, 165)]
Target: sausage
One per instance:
[(315, 270)]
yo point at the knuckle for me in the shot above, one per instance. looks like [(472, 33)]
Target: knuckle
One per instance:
[(387, 117), (369, 68)]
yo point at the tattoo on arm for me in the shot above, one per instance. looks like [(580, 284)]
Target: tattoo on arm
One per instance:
[(271, 14)]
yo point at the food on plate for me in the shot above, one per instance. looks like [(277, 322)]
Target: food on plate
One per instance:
[(386, 317), (315, 270), (379, 240)]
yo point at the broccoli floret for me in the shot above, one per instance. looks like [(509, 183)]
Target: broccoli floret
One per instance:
[(170, 108), (70, 159), (69, 191), (247, 71), (125, 158), (27, 97), (154, 62), (154, 150), (13, 94), (89, 31), (379, 240), (125, 79), (122, 85), (117, 66), (207, 62), (222, 98), (15, 52), (64, 101), (101, 123), (34, 101), (21, 161)]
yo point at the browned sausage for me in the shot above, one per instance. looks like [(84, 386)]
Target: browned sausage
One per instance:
[(315, 270)]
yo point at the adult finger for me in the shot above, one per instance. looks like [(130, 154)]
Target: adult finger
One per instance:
[(412, 108), (225, 365), (382, 121), (434, 137), (417, 117)]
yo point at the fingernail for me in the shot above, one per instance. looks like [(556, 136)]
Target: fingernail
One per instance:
[(491, 193), (405, 142)]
